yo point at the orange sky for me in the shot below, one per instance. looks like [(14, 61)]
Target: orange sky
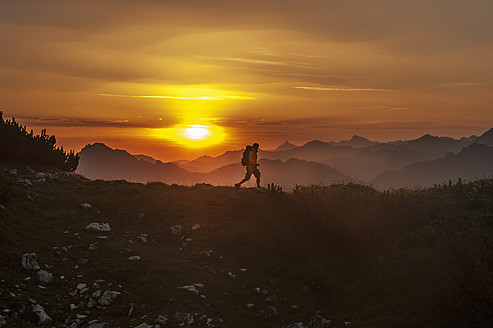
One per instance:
[(133, 74)]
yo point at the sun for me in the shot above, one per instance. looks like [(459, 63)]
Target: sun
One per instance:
[(196, 131), (191, 135)]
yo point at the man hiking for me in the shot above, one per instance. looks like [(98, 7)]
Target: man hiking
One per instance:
[(249, 160)]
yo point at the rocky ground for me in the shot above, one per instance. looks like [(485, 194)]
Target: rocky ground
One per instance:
[(75, 257), (81, 253)]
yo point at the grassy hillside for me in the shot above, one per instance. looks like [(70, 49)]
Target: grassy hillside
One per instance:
[(362, 258)]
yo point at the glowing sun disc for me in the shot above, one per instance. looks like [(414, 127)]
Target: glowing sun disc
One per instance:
[(196, 131)]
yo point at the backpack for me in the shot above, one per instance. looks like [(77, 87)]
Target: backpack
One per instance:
[(246, 152)]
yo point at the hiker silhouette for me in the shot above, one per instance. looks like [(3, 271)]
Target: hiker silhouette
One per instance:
[(249, 160)]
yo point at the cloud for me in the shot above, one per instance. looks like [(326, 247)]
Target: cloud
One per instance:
[(178, 97), (345, 89), (40, 121)]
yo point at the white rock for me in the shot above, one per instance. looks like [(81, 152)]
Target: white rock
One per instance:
[(86, 205), (41, 175), (11, 172), (318, 321), (232, 275), (161, 319), (195, 227), (30, 261), (134, 258), (250, 305), (206, 252), (98, 325), (190, 288), (108, 297), (296, 325), (184, 318), (43, 317), (142, 239), (131, 310), (91, 303), (25, 182), (98, 227), (144, 325), (45, 277), (176, 230), (81, 286)]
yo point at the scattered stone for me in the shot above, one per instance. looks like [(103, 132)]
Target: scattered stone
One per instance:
[(176, 230), (82, 291), (296, 325), (206, 252), (96, 294), (108, 297), (195, 227), (250, 305), (86, 205), (184, 318), (232, 275), (98, 325), (98, 226), (318, 321), (161, 320), (347, 323), (131, 309), (91, 303), (134, 258), (102, 237), (30, 261), (3, 208), (25, 182), (81, 316), (45, 277), (141, 215), (3, 321), (142, 238), (81, 286), (243, 270), (41, 175), (93, 246), (190, 288), (41, 287), (82, 261), (43, 317), (11, 172), (144, 325)]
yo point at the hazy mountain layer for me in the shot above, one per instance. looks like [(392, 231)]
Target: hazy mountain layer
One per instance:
[(475, 161)]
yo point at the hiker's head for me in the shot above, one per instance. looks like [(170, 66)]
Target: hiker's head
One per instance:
[(255, 146)]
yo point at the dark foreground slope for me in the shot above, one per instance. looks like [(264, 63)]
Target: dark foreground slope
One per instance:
[(258, 259)]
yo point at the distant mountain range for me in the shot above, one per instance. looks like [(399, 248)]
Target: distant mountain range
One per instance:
[(422, 162), (98, 161)]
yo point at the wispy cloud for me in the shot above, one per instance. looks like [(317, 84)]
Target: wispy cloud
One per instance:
[(36, 121), (346, 89), (177, 97)]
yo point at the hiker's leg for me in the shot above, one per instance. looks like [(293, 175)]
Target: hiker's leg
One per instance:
[(256, 172), (247, 177)]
